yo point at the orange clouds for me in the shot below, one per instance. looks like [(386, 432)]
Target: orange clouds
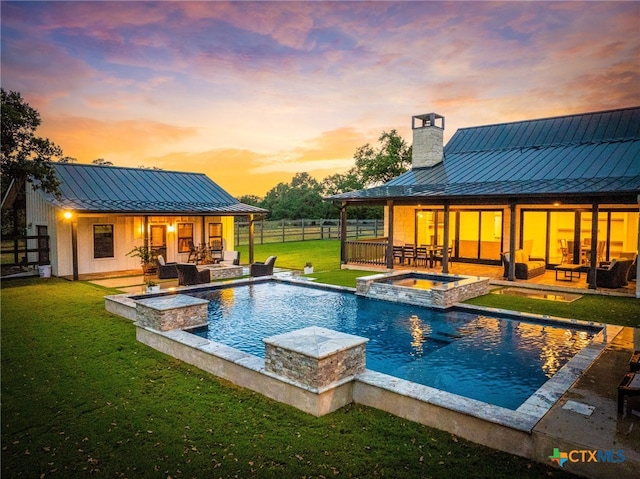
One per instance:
[(87, 139)]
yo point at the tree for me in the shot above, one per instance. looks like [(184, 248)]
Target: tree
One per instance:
[(391, 159), (68, 159), (252, 200), (102, 162), (342, 182), (302, 198), (25, 156)]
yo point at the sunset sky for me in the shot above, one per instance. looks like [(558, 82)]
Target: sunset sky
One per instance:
[(252, 92)]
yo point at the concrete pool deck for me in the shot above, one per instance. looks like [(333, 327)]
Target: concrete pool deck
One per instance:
[(562, 427)]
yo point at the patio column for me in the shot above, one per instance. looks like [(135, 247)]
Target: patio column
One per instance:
[(145, 233), (251, 220), (594, 246), (445, 241), (390, 236), (343, 233), (512, 242), (74, 246)]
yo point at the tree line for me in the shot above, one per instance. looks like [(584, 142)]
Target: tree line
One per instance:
[(303, 196), (26, 157)]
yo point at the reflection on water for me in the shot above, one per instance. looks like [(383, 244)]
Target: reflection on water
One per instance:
[(493, 359), (416, 283)]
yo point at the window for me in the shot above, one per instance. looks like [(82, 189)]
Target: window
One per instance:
[(215, 236), (103, 241), (185, 237)]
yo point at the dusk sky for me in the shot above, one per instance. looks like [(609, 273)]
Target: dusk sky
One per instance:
[(251, 93)]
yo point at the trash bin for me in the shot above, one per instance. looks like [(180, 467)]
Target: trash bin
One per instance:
[(44, 270)]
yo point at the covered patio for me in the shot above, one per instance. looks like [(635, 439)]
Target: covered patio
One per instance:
[(553, 192)]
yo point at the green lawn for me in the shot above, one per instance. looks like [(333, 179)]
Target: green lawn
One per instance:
[(82, 398)]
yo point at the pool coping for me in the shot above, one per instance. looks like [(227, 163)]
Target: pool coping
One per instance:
[(495, 426)]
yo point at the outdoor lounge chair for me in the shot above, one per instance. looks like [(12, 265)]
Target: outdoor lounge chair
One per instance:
[(166, 270), (188, 275), (612, 276), (263, 269)]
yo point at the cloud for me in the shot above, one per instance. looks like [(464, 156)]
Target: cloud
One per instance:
[(284, 87), (87, 139)]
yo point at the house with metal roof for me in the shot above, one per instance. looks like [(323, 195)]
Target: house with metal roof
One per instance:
[(103, 212), (563, 189)]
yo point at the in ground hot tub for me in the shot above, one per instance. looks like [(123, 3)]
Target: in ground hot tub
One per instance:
[(425, 289)]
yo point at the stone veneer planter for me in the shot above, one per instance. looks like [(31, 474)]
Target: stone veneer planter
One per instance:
[(315, 357), (175, 311)]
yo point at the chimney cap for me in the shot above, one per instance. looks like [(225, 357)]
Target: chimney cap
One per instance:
[(426, 120)]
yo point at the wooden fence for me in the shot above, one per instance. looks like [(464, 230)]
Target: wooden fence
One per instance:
[(25, 250), (283, 231)]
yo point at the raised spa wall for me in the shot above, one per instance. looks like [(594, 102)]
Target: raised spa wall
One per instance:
[(442, 295)]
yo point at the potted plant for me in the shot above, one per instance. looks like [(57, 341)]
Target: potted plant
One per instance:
[(152, 287), (308, 268), (147, 257)]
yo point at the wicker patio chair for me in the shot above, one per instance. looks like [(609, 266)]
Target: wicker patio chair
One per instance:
[(263, 269), (188, 275), (166, 270)]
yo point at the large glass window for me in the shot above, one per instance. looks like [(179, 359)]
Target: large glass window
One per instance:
[(478, 235), (534, 234), (185, 237), (103, 241)]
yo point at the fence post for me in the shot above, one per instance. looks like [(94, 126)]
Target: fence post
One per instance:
[(262, 231), (283, 237), (302, 229)]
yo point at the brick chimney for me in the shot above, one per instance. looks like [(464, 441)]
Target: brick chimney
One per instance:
[(427, 140)]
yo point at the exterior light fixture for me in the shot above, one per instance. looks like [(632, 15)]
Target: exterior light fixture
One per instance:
[(67, 215), (171, 228)]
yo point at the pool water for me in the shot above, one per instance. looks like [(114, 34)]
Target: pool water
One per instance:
[(416, 283), (419, 280), (496, 360)]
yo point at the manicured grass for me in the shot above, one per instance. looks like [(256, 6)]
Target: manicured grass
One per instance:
[(324, 254), (597, 308), (82, 398)]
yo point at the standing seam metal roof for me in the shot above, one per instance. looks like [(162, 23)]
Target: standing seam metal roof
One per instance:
[(94, 188), (574, 154)]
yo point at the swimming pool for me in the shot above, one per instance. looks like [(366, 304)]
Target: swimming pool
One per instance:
[(495, 359)]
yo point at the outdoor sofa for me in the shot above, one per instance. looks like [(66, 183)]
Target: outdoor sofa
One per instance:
[(526, 268)]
